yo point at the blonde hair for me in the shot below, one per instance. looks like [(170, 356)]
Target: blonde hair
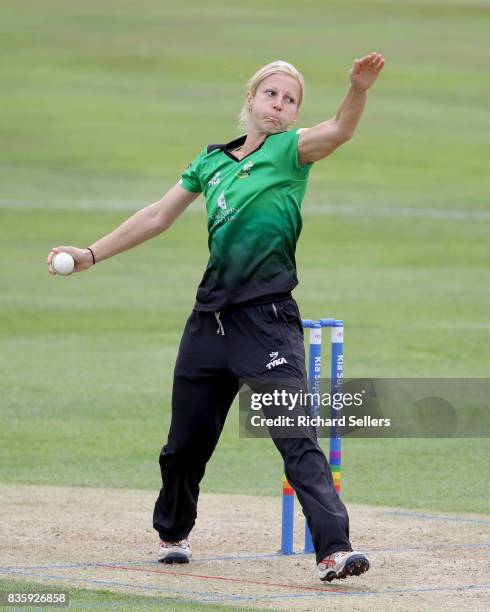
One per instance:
[(277, 67)]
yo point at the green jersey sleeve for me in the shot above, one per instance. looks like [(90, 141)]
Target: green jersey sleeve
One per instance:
[(191, 177), (286, 145)]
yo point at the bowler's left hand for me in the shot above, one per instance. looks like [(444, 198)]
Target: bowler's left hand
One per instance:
[(365, 71)]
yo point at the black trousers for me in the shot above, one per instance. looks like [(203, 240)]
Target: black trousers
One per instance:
[(216, 350)]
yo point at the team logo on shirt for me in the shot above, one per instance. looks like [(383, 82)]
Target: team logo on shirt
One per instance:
[(245, 171), (275, 360)]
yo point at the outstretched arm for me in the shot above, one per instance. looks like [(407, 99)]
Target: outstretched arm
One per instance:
[(143, 225), (319, 141)]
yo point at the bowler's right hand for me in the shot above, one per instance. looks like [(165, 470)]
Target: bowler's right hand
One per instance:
[(83, 258)]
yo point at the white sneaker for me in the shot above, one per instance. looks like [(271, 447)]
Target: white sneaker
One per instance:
[(342, 564), (174, 552)]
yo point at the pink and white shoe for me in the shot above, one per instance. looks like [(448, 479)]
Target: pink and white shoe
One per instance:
[(342, 564), (174, 552)]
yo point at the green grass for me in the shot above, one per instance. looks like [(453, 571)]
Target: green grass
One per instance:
[(106, 101), (103, 106), (87, 360), (83, 599)]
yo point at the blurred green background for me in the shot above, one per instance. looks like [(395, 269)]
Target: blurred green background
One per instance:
[(104, 105)]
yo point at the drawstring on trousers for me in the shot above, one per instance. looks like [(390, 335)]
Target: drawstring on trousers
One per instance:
[(221, 329)]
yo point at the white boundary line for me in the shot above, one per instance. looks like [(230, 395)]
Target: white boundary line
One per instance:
[(66, 205), (444, 214), (404, 212)]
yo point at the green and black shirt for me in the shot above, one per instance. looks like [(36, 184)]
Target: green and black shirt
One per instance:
[(254, 219)]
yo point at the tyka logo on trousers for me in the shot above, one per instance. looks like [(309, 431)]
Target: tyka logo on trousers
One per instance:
[(275, 360)]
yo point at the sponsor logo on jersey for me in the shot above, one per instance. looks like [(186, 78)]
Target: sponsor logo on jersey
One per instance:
[(275, 360), (222, 201), (222, 216)]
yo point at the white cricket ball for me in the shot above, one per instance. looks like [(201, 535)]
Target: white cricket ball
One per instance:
[(63, 263)]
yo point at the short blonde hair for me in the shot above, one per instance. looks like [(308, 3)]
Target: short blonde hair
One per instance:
[(277, 67)]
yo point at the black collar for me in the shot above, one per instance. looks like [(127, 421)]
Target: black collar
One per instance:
[(234, 144)]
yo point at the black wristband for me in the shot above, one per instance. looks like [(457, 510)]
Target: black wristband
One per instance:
[(93, 256)]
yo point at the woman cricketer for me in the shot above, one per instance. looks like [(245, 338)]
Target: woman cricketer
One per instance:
[(245, 323)]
